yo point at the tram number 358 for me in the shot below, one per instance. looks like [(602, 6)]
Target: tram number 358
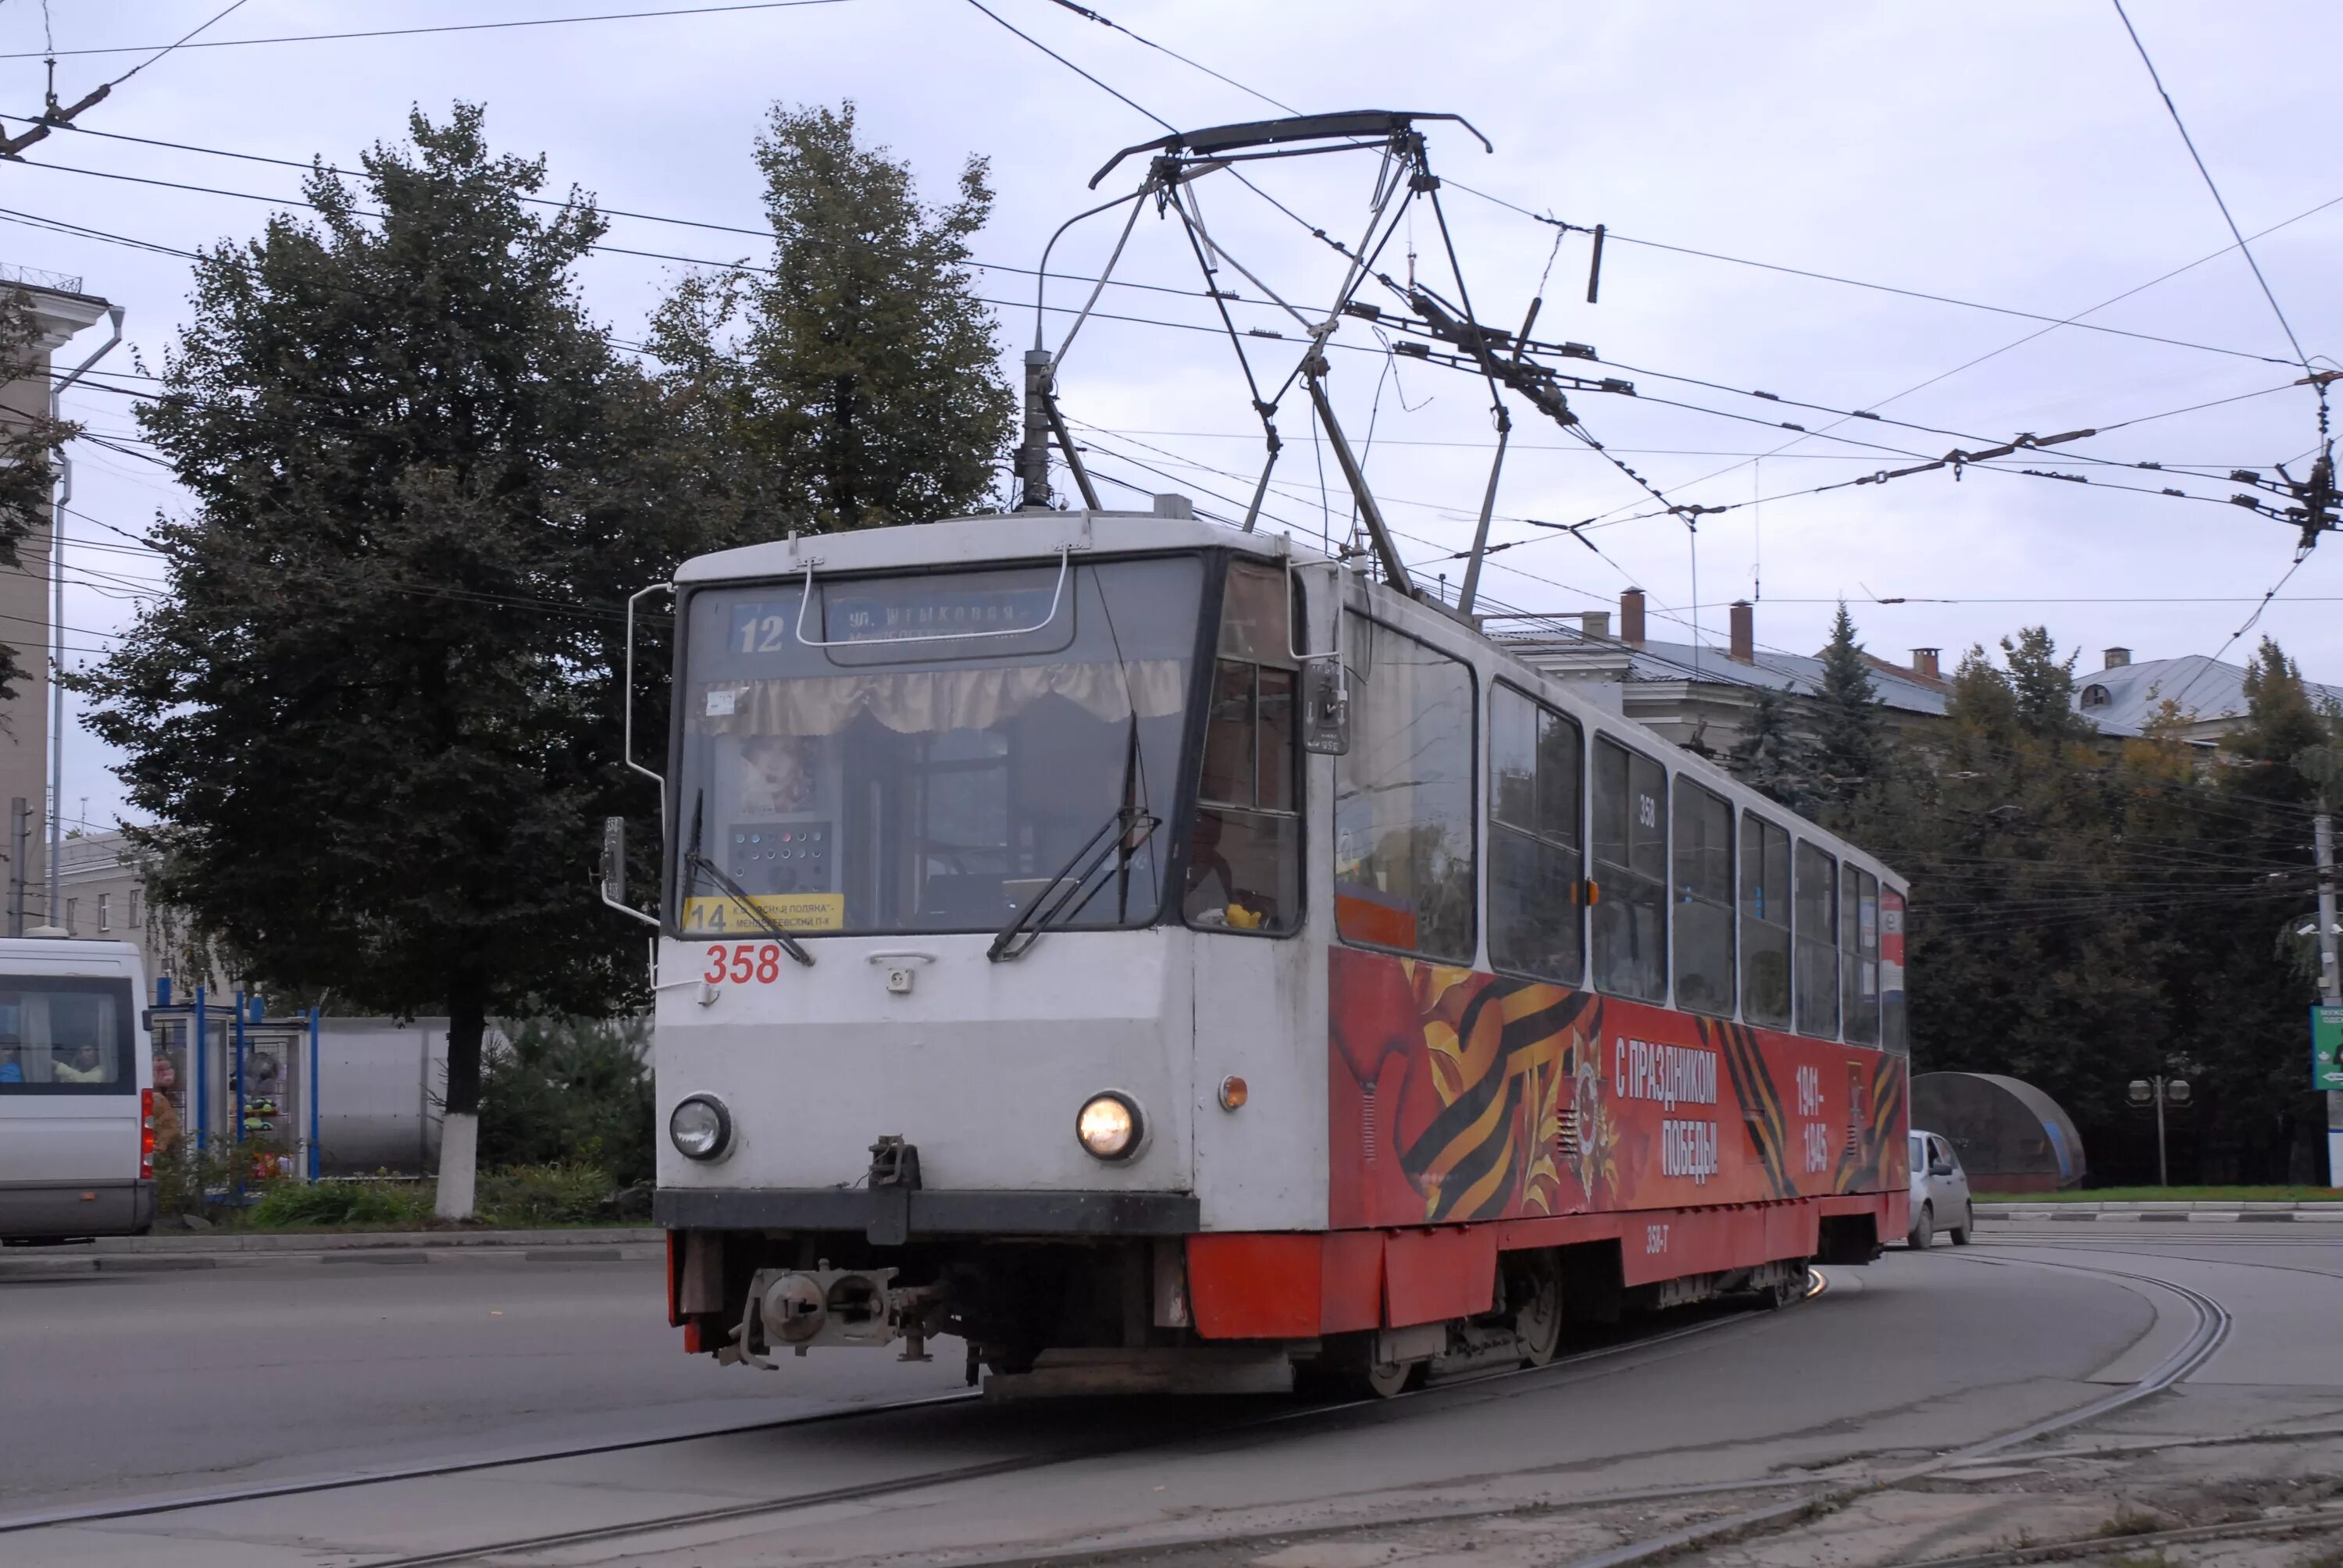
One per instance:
[(743, 962), (1655, 1239)]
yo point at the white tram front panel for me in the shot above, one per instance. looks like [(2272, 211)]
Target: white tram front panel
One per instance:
[(891, 757)]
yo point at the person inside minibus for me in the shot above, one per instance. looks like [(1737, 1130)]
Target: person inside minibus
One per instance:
[(82, 1067), (12, 1063)]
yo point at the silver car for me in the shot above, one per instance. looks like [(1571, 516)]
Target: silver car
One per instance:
[(1940, 1192)]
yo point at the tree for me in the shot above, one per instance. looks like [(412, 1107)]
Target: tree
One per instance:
[(853, 381), (29, 439), (1848, 748), (2043, 684), (1773, 755), (377, 711)]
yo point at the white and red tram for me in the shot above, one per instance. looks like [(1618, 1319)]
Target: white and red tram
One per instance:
[(1124, 937)]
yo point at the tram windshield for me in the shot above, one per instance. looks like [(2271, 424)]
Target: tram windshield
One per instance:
[(926, 752)]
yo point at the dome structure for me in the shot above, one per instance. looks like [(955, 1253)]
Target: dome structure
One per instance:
[(2011, 1137)]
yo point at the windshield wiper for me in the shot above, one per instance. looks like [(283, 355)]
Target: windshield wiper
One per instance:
[(694, 862), (1124, 831)]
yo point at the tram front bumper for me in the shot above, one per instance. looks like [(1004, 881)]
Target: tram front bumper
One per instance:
[(877, 1213)]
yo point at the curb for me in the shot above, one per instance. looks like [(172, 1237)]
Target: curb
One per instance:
[(179, 1255), (2170, 1213)]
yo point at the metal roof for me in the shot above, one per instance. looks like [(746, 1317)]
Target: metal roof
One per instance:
[(1793, 674), (2204, 690)]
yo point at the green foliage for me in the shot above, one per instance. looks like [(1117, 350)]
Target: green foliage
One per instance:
[(1775, 755), (855, 380), (571, 1090), (527, 1197), (2088, 911), (314, 1205), (1849, 745), (377, 711)]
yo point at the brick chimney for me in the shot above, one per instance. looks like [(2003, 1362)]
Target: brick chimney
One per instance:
[(1924, 663), (1744, 647), (2116, 658), (1631, 616)]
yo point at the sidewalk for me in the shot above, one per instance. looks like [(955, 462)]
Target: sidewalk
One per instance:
[(173, 1251), (2193, 1211)]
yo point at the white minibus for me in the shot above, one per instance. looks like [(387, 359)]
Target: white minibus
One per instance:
[(76, 1092)]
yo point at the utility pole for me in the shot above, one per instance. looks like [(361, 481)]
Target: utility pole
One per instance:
[(2323, 766), (2331, 979)]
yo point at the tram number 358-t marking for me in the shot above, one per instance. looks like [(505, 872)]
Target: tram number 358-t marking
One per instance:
[(1655, 1239), (743, 962)]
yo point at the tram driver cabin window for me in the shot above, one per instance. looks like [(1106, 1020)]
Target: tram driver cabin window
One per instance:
[(1630, 840), (1703, 900), (1244, 845), (1403, 797), (1535, 764), (1816, 977)]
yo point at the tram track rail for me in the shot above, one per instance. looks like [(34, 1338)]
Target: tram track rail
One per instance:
[(798, 1502), (1808, 1496)]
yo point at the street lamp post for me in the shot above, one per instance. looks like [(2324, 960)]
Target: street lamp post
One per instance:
[(2158, 1091)]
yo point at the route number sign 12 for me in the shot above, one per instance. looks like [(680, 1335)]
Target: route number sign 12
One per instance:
[(2326, 1047)]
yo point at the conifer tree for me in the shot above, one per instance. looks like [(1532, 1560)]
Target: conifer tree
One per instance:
[(853, 381), (1849, 748)]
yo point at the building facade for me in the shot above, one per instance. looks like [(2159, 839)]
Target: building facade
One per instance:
[(60, 311)]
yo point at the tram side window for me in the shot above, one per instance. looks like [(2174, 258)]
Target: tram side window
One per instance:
[(1891, 971), (1858, 946), (1764, 922), (1703, 900), (1816, 976), (1629, 841), (1535, 763), (1244, 847), (1405, 798)]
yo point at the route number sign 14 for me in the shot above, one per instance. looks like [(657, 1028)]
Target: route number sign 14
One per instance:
[(2327, 1047)]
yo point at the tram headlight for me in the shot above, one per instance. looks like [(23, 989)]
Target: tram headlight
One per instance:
[(700, 1127), (1110, 1127)]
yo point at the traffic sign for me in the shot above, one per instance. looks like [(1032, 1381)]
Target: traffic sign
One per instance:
[(2326, 1047)]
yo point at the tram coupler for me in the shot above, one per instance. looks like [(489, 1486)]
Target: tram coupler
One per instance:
[(803, 1307)]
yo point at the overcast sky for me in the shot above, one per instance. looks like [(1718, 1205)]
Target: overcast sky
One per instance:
[(2013, 155)]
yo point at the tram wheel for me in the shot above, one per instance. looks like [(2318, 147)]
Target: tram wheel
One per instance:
[(1537, 1321), (1351, 1371)]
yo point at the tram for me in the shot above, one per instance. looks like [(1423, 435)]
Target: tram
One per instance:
[(1161, 955)]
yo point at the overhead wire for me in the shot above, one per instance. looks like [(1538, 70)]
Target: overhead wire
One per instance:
[(411, 32)]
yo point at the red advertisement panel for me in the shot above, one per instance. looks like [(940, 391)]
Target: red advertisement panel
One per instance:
[(1455, 1095)]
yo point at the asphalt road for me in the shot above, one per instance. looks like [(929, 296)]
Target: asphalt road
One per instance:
[(156, 1382), (140, 1382)]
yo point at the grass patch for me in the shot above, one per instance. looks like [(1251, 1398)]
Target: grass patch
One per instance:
[(2172, 1195), (517, 1198)]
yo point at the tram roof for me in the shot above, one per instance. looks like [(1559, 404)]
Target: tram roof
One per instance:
[(970, 541)]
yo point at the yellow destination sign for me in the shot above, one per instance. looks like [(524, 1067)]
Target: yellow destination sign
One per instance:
[(790, 911)]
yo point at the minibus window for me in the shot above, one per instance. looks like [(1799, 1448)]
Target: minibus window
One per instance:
[(65, 1036)]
